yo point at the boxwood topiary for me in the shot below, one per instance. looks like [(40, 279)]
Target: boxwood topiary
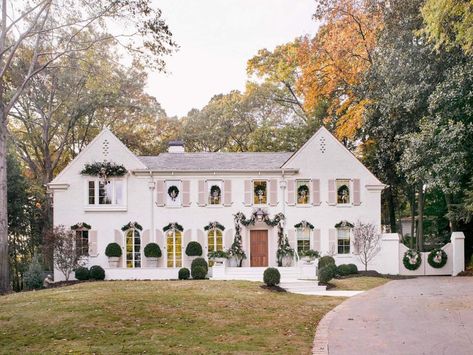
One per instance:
[(199, 272), (200, 262), (327, 273), (194, 249), (343, 270), (184, 273), (324, 261), (353, 269), (113, 250), (152, 250), (97, 273), (82, 273), (271, 276)]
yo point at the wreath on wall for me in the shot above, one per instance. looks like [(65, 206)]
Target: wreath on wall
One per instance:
[(81, 225), (437, 258), (173, 192), (412, 259), (104, 170), (132, 225), (173, 226), (214, 225), (304, 225)]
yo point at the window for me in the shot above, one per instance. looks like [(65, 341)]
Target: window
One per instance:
[(343, 192), (343, 237), (303, 239), (260, 192), (215, 240), (111, 192), (133, 248), (174, 248), (215, 192), (82, 242), (302, 192), (173, 193)]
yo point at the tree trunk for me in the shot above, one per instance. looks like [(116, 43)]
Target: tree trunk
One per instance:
[(413, 218), (453, 223), (4, 267), (420, 222)]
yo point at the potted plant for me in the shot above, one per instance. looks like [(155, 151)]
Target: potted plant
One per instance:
[(218, 256), (285, 255), (309, 255), (193, 250), (114, 252), (152, 253)]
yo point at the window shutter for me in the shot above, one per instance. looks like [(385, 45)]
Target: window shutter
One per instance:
[(202, 241), (145, 238), (356, 192), (332, 195), (227, 193), (161, 242), (248, 193), (291, 191), (202, 192), (291, 236), (186, 194), (315, 245), (332, 241), (316, 192), (119, 237), (228, 239), (93, 243), (187, 238), (273, 192), (160, 198)]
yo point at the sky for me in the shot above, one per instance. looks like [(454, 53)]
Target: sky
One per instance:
[(216, 39)]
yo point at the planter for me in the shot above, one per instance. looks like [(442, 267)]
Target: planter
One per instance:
[(219, 261), (307, 259), (113, 261), (152, 262), (232, 262), (287, 261)]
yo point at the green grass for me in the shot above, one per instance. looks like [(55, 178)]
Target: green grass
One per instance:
[(160, 316), (361, 283)]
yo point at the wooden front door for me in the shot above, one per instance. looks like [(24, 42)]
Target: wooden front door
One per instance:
[(259, 248)]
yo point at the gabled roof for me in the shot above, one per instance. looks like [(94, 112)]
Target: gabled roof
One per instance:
[(204, 161)]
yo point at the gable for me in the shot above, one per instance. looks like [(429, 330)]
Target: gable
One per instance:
[(104, 147), (323, 155)]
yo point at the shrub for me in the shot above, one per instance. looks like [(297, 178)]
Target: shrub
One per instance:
[(200, 262), (343, 270), (271, 276), (353, 269), (194, 249), (217, 254), (82, 273), (313, 254), (152, 250), (184, 273), (325, 260), (199, 273), (327, 273), (97, 273), (34, 275), (113, 250)]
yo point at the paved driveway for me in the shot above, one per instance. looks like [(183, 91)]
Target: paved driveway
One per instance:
[(428, 315)]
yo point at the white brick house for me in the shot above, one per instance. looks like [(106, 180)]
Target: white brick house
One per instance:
[(322, 184)]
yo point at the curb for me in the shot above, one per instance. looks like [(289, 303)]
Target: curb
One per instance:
[(320, 344)]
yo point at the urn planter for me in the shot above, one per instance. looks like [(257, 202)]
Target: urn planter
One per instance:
[(113, 261), (152, 262), (287, 261)]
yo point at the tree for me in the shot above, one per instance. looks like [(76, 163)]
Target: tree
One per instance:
[(66, 256), (45, 21), (366, 242)]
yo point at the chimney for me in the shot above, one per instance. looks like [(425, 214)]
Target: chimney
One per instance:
[(176, 147)]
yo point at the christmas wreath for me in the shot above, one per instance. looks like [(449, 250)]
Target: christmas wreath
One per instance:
[(301, 189), (260, 187), (173, 192), (215, 189), (437, 258), (412, 259)]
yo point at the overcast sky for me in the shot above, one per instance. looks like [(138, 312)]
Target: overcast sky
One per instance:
[(216, 38)]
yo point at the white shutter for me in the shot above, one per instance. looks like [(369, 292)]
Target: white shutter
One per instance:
[(356, 192), (248, 193), (228, 239), (291, 192), (119, 237), (202, 193), (93, 251), (160, 197), (187, 238), (227, 193), (292, 237), (316, 192), (273, 192), (162, 245), (145, 238), (332, 194), (332, 241), (315, 244)]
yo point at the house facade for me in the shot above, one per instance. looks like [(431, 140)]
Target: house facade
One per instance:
[(177, 197)]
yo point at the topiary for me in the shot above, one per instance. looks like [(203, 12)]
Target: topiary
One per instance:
[(327, 273), (271, 276), (353, 269), (412, 259), (113, 250), (324, 261), (200, 262), (194, 249), (184, 273), (343, 270), (152, 250), (97, 273), (82, 273), (34, 276), (199, 272), (437, 258)]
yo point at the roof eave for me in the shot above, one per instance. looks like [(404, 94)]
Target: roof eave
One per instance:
[(156, 172)]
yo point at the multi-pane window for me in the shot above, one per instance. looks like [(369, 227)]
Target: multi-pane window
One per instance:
[(215, 240), (215, 192), (303, 240), (111, 192), (302, 192), (260, 192), (174, 248), (82, 242), (343, 240), (133, 248), (343, 191)]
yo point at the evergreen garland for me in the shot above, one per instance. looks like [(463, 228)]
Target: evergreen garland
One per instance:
[(236, 250), (412, 259), (214, 225), (132, 225), (175, 226), (104, 169), (252, 220), (303, 225), (344, 224), (435, 254), (81, 225)]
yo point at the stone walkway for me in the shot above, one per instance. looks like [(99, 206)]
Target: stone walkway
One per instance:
[(425, 315)]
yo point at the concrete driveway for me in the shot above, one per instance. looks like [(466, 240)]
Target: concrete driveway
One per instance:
[(426, 315)]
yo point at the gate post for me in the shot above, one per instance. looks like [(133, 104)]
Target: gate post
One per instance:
[(458, 252)]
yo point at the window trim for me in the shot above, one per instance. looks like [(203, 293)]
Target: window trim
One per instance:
[(350, 192), (253, 192), (174, 261), (214, 231), (166, 195), (308, 237), (80, 230), (133, 252), (211, 182), (349, 240), (105, 207), (309, 202)]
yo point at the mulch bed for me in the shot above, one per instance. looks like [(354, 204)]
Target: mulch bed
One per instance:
[(273, 288)]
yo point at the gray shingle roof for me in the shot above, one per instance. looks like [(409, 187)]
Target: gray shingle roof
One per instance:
[(216, 161)]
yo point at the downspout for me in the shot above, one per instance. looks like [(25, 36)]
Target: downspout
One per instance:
[(151, 186)]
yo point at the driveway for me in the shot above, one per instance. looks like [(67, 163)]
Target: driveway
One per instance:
[(426, 315)]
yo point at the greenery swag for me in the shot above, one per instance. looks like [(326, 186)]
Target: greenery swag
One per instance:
[(81, 225), (132, 225), (265, 218), (214, 225), (344, 224), (175, 226), (437, 258), (412, 259), (304, 225), (104, 169), (236, 250)]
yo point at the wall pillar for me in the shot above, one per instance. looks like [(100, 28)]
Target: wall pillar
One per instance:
[(387, 260), (458, 252)]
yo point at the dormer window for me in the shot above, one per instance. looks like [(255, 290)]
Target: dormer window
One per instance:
[(343, 191), (260, 192)]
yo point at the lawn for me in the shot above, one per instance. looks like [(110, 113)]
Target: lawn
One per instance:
[(160, 316), (358, 283)]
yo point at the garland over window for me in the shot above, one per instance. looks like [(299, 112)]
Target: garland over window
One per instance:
[(81, 225), (260, 215), (304, 225), (214, 225), (132, 225), (175, 226), (344, 224), (104, 170)]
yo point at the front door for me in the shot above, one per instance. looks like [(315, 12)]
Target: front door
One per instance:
[(259, 248)]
